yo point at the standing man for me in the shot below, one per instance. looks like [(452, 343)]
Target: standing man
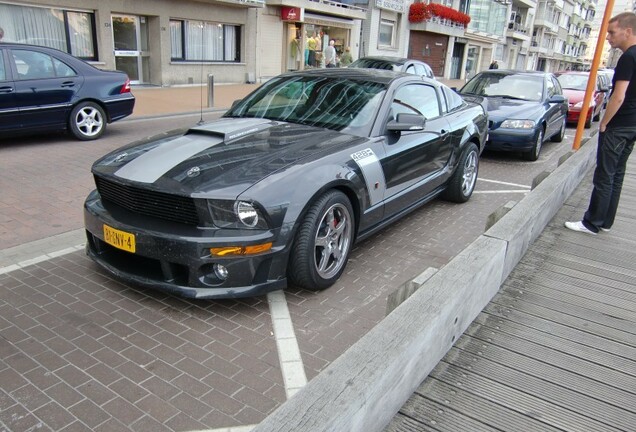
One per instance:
[(617, 131), (494, 65), (330, 54)]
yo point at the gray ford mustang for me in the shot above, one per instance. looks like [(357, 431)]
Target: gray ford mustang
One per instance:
[(278, 190)]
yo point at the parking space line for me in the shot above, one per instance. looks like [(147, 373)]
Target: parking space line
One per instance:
[(291, 363), (504, 183)]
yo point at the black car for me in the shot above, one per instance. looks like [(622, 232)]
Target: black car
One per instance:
[(398, 64), (283, 184), (524, 108), (43, 89)]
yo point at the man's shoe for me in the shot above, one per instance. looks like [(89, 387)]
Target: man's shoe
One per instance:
[(578, 226), (605, 229)]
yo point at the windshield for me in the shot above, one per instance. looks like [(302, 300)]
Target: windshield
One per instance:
[(525, 87), (330, 102), (573, 82), (375, 64)]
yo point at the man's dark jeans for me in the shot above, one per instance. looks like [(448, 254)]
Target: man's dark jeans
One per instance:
[(614, 147)]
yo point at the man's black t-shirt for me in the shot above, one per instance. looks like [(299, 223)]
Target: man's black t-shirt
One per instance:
[(626, 71)]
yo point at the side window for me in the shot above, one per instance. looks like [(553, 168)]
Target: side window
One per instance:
[(453, 100), (551, 88), (416, 99), (33, 65), (557, 86), (419, 70), (411, 69), (62, 69)]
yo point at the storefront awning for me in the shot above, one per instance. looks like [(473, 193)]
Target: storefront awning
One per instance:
[(325, 20)]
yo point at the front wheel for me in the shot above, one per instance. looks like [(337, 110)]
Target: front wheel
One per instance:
[(321, 249), (534, 152), (87, 121), (462, 183)]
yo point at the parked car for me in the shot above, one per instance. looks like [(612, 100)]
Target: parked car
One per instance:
[(43, 89), (607, 77), (574, 85), (398, 64), (283, 184), (524, 109)]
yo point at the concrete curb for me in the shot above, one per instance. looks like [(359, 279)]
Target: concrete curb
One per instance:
[(364, 388)]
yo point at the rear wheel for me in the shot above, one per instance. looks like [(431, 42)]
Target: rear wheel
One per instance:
[(321, 249), (534, 152), (462, 183), (87, 121)]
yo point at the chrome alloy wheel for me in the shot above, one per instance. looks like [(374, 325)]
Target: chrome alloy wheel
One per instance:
[(332, 241), (89, 121), (470, 173)]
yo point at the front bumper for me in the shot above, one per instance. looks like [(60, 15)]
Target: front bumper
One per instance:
[(176, 258), (511, 139)]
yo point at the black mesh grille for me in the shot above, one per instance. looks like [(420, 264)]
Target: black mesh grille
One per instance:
[(150, 203)]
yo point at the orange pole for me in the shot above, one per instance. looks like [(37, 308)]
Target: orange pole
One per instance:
[(591, 82)]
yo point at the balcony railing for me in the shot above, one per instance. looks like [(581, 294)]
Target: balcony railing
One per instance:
[(518, 27)]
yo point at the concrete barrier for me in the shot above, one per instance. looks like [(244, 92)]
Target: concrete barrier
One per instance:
[(364, 388)]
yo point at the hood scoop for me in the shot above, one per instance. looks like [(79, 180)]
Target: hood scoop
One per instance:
[(230, 129)]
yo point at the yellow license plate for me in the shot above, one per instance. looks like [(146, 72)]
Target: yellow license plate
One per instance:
[(119, 239)]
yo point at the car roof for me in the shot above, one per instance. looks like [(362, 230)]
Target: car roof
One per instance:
[(516, 72), (372, 75)]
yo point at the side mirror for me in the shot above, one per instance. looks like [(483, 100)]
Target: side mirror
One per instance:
[(557, 99), (406, 122)]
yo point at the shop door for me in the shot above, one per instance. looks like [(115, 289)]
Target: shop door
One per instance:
[(430, 48), (130, 39)]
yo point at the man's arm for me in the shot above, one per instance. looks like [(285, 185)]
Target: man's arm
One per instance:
[(615, 102)]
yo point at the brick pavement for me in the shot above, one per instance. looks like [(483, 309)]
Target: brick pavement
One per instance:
[(79, 351)]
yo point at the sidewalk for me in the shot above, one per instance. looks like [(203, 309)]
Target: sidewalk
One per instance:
[(157, 101)]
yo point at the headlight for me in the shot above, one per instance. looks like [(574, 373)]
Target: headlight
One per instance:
[(518, 124), (237, 214), (246, 213)]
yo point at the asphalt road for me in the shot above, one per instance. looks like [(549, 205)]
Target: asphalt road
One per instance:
[(74, 341)]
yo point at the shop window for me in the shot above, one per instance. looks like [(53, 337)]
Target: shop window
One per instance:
[(204, 41), (386, 37), (69, 31)]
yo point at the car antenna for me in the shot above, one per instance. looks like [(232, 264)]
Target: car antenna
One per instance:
[(201, 121)]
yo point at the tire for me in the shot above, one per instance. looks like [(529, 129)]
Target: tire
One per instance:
[(558, 137), (87, 121), (533, 154), (462, 184), (324, 239)]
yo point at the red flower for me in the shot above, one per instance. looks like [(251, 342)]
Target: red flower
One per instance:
[(419, 12)]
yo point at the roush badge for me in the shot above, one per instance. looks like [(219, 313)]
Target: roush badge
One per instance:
[(193, 172)]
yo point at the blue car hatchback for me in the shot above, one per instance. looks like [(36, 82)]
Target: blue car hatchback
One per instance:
[(524, 108), (43, 89)]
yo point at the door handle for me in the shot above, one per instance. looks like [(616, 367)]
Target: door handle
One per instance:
[(68, 84), (6, 89)]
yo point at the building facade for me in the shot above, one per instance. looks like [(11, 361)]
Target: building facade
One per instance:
[(180, 42)]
